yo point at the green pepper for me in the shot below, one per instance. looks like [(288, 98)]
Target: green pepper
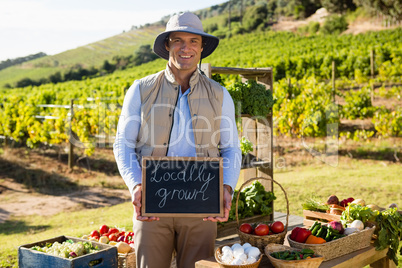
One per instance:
[(316, 229), (322, 232), (329, 236), (314, 225)]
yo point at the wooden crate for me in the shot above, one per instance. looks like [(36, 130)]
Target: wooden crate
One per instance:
[(230, 228), (311, 216), (28, 258)]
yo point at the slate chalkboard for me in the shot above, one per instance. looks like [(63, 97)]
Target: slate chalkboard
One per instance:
[(182, 187)]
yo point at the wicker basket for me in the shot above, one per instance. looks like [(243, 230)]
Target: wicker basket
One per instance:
[(339, 247), (262, 241), (126, 260), (218, 255), (307, 263)]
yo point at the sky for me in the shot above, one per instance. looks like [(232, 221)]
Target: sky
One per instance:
[(53, 26)]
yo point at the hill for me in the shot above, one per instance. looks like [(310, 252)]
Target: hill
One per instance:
[(215, 20), (93, 54)]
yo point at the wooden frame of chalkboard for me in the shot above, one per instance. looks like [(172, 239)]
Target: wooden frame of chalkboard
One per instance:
[(182, 186)]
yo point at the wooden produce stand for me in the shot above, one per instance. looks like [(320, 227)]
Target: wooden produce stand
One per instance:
[(259, 131)]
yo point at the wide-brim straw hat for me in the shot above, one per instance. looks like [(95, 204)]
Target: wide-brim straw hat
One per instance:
[(189, 23)]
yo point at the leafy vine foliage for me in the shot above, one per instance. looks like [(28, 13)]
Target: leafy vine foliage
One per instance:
[(301, 104)]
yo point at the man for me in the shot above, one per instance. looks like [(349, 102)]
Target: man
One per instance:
[(177, 112)]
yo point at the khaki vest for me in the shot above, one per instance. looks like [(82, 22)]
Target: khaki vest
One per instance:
[(159, 94)]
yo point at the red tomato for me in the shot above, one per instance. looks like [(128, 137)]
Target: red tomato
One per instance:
[(95, 233), (246, 228), (103, 229), (113, 230), (277, 227), (112, 237), (261, 229)]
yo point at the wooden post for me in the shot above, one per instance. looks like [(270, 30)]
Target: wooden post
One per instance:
[(333, 80), (206, 68), (372, 63), (70, 145)]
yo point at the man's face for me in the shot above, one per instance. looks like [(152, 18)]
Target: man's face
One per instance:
[(184, 50)]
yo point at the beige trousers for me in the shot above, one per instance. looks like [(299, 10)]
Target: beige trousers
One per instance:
[(192, 238)]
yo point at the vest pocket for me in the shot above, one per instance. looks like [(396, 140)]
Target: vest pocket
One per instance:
[(213, 152)]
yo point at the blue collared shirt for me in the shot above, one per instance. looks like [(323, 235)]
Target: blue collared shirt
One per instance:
[(181, 138)]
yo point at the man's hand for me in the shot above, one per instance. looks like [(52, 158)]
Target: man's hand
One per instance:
[(227, 204), (137, 192)]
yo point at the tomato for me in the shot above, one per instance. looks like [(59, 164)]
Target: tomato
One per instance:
[(246, 228), (261, 229), (112, 237), (103, 229), (113, 230), (95, 233), (277, 227)]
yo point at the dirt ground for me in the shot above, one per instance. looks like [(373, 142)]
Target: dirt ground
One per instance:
[(358, 26), (38, 182)]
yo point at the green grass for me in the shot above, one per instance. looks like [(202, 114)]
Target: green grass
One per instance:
[(375, 182)]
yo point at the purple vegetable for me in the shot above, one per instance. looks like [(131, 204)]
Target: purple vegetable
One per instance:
[(336, 225), (120, 238), (72, 254)]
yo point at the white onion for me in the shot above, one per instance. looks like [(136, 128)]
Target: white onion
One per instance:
[(250, 260), (254, 252), (350, 230), (357, 224), (226, 248), (236, 262), (242, 257), (238, 251), (235, 246), (246, 245)]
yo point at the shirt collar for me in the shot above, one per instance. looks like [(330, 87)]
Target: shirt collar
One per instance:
[(193, 79)]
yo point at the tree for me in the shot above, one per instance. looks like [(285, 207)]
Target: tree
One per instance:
[(338, 6), (391, 8), (254, 16), (109, 68), (25, 82), (144, 54), (334, 24), (55, 78)]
